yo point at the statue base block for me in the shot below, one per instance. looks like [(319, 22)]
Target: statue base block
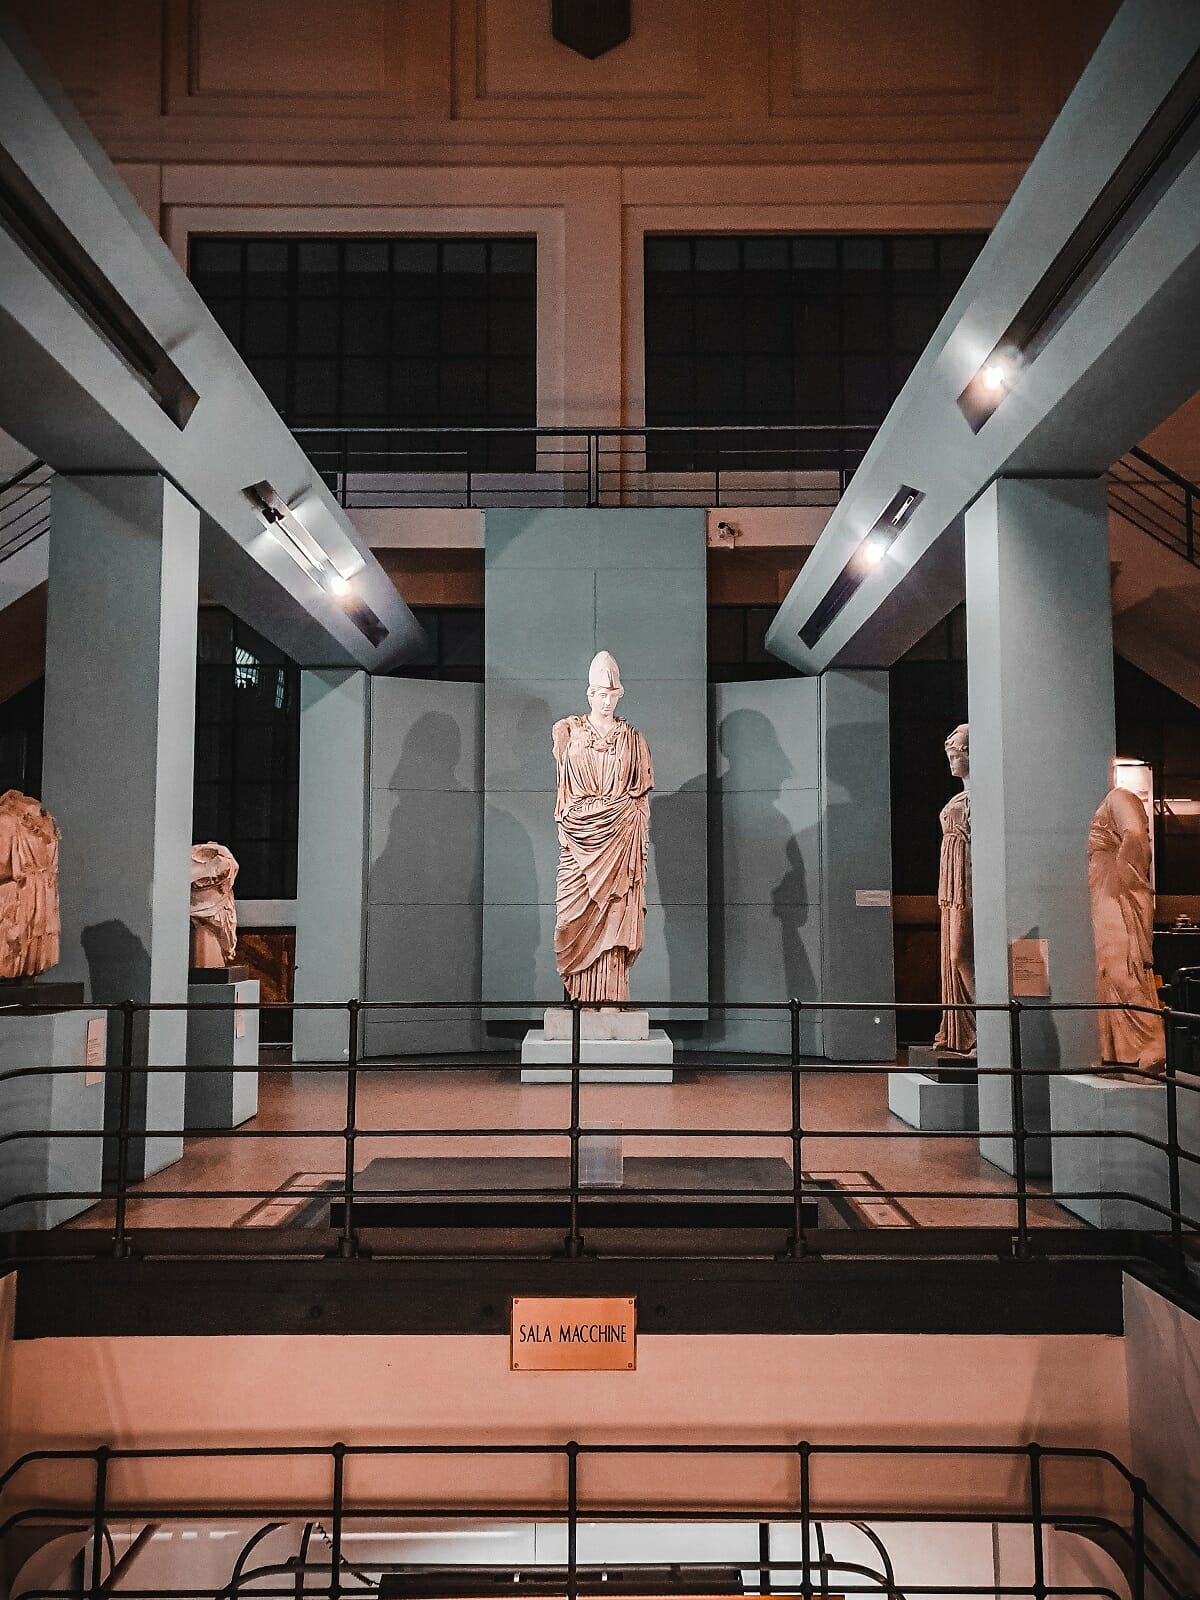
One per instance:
[(39, 992), (943, 1066), (1118, 1173), (69, 1101), (934, 1105), (597, 1024), (224, 1042), (198, 975), (646, 1060)]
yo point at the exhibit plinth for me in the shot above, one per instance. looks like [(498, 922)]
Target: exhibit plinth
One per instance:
[(222, 1037), (602, 1059), (39, 992), (609, 1024), (939, 1093), (1120, 1171), (70, 1100)]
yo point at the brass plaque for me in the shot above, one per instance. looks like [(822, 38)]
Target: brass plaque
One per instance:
[(577, 1335)]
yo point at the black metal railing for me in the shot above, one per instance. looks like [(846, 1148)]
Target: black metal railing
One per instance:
[(1165, 1230), (783, 465), (24, 508), (1046, 1489), (1158, 500)]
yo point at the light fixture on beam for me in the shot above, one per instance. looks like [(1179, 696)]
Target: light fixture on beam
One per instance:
[(867, 555)]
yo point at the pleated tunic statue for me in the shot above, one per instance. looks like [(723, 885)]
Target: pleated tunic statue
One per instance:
[(29, 915), (1122, 925), (603, 815), (957, 1031)]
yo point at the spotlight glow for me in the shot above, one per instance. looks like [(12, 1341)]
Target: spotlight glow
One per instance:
[(874, 551), (339, 586), (995, 376)]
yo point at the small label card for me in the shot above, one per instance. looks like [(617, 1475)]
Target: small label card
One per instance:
[(873, 897), (239, 1024), (1029, 969), (94, 1050), (577, 1335)]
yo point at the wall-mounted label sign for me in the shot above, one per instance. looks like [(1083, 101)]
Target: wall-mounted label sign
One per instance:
[(872, 897), (577, 1335), (95, 1046), (1029, 969)]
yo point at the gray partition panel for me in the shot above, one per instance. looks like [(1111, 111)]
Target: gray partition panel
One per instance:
[(424, 865), (560, 585)]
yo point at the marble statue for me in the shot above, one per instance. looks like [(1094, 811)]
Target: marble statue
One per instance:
[(1122, 924), (603, 814), (957, 1032), (213, 912), (29, 919)]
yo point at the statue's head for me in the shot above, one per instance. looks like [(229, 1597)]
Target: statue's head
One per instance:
[(957, 752), (604, 684)]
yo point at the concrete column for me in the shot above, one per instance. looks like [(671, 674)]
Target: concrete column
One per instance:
[(856, 865), (119, 749), (331, 881), (1040, 696)]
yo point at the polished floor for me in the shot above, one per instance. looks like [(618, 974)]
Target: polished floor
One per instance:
[(254, 1175)]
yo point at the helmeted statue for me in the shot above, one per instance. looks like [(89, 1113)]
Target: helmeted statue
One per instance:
[(957, 1031), (29, 916), (1122, 927), (603, 814), (213, 910)]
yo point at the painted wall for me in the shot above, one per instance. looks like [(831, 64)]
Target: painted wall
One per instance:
[(988, 1389), (1162, 1358), (765, 858), (425, 861), (561, 585)]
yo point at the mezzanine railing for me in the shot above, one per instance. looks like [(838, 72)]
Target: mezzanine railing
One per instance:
[(579, 1214), (774, 1540)]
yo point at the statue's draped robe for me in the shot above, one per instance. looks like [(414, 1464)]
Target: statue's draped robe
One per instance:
[(603, 817), (957, 1031), (29, 915), (1122, 925)]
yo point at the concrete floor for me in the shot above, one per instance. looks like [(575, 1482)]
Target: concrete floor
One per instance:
[(732, 1114)]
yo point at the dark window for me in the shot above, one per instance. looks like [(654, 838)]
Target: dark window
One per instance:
[(737, 648), (453, 647), (21, 740), (247, 754), (757, 331), (386, 333)]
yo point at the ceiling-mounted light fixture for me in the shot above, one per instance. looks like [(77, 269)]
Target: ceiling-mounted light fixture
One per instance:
[(285, 526), (867, 555)]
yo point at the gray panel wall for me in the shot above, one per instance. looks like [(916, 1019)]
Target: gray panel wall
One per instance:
[(765, 859), (560, 585), (425, 862), (857, 960)]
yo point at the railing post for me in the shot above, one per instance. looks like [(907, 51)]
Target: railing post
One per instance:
[(335, 1530), (1189, 523), (798, 1243), (806, 1583), (1017, 1108), (99, 1517), (348, 1239), (1139, 1539), (124, 1117), (593, 468), (344, 464), (574, 1240), (572, 1520), (1179, 1261), (1036, 1521)]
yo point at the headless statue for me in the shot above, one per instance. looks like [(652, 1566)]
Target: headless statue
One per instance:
[(1122, 925), (213, 910), (957, 1032), (602, 809), (29, 916)]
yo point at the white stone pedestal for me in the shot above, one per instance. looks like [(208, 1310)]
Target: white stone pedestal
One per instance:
[(222, 1038), (71, 1100), (1085, 1102), (927, 1104), (645, 1060)]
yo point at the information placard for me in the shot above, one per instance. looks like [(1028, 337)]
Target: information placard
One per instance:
[(1029, 969), (576, 1335), (95, 1048)]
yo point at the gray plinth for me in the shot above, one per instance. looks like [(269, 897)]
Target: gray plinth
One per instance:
[(226, 1038), (556, 1024), (65, 1102), (925, 1103), (1114, 1169), (605, 1060)]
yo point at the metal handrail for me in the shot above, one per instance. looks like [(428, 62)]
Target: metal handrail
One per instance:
[(20, 508), (1170, 515), (1174, 1219), (1027, 1504)]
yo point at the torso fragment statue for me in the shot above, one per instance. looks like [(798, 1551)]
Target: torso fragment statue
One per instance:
[(1122, 925), (29, 920), (603, 815), (213, 911), (957, 1031)]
